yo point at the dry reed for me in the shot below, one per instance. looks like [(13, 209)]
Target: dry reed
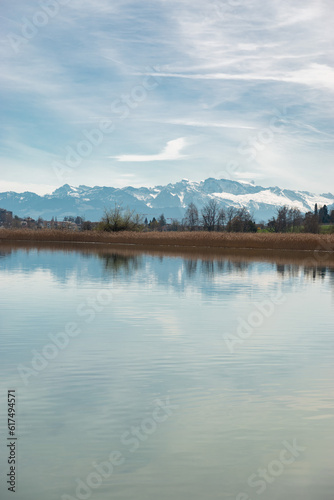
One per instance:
[(260, 241)]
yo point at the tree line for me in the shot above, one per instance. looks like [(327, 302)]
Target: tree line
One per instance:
[(213, 217), (292, 220)]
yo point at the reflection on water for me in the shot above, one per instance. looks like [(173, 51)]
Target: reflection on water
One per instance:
[(120, 357), (123, 259), (116, 262)]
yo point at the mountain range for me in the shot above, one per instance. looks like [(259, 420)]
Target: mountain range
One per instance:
[(172, 199)]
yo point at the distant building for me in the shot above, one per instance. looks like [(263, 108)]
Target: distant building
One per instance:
[(6, 217), (28, 222), (51, 224)]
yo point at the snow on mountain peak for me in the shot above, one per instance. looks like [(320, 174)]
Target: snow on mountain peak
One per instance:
[(171, 199)]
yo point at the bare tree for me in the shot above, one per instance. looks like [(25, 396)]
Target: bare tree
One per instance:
[(295, 218), (210, 213), (243, 222), (191, 216), (230, 214), (282, 219), (287, 219), (311, 223), (221, 220), (119, 219)]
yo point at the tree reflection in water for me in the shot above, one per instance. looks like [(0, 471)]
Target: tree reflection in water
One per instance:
[(119, 262)]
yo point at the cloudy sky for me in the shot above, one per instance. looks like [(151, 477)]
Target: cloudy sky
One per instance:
[(121, 92)]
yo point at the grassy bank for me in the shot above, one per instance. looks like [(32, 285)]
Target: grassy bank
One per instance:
[(268, 241)]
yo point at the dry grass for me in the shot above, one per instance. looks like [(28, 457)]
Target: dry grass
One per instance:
[(203, 240)]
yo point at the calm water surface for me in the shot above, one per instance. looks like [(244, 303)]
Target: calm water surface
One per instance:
[(164, 377)]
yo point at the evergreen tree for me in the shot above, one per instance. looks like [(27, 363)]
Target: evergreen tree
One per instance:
[(323, 215), (162, 221), (153, 224)]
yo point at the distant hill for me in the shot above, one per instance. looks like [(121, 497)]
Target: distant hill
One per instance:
[(172, 200)]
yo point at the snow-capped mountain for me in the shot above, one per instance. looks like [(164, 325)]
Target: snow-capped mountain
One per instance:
[(172, 200)]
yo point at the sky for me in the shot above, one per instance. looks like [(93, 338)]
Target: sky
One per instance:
[(144, 93)]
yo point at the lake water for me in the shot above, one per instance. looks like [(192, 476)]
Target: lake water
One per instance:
[(158, 376)]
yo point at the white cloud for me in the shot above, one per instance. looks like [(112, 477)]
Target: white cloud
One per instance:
[(20, 187), (316, 75), (203, 123), (170, 152), (224, 70)]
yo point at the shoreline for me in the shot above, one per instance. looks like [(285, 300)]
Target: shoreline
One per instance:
[(309, 246), (197, 239)]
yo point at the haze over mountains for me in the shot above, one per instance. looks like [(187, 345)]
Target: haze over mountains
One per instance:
[(172, 199)]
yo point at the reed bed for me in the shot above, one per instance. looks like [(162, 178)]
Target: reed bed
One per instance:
[(200, 239)]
